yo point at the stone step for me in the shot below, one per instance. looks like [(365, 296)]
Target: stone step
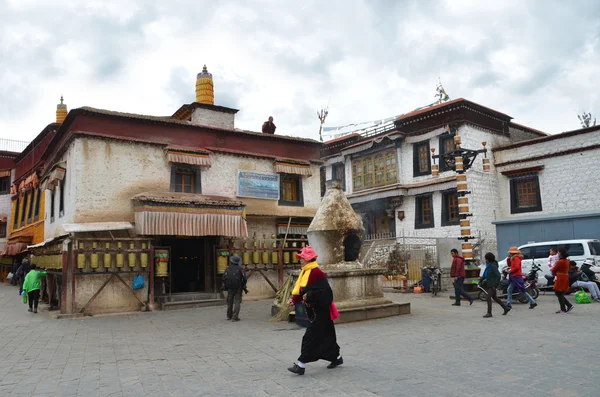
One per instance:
[(191, 304), (196, 296)]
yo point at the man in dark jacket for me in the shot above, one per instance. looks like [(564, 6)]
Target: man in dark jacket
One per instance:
[(490, 281), (234, 281), (22, 272), (458, 272)]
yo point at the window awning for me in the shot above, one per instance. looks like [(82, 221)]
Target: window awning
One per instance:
[(296, 167), (192, 157), (18, 244), (50, 182), (186, 214)]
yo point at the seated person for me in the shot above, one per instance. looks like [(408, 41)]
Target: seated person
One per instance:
[(585, 269), (575, 280)]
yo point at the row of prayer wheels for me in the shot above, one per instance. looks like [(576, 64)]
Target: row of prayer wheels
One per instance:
[(109, 255), (260, 256)]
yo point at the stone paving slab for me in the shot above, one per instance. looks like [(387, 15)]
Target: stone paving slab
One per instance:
[(438, 350)]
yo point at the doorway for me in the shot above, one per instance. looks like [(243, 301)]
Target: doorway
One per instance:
[(192, 264)]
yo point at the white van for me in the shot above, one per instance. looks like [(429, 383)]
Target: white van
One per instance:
[(578, 251)]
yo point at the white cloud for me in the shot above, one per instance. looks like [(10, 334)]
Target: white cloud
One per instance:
[(536, 61)]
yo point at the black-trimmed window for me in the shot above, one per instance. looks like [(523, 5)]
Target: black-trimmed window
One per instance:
[(24, 208), (525, 194), (424, 211), (16, 214), (338, 172), (185, 179), (323, 180), (5, 185), (3, 232), (374, 170), (38, 198), (290, 190), (52, 204), (421, 159), (61, 203), (446, 146), (32, 198), (450, 208)]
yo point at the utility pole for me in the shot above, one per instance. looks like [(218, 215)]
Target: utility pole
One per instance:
[(322, 115)]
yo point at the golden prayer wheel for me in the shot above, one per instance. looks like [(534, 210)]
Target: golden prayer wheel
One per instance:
[(435, 170), (465, 232), (286, 257), (467, 250), (458, 163), (294, 258), (256, 257), (457, 140), (131, 256), (222, 261), (461, 183), (246, 255), (162, 263), (265, 255), (144, 257), (81, 257), (463, 205), (106, 261), (120, 256), (465, 223), (94, 257)]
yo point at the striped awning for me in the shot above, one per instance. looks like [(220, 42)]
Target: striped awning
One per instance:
[(184, 214), (300, 229), (292, 167), (4, 173), (199, 158)]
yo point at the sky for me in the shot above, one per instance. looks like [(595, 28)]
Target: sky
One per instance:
[(536, 61)]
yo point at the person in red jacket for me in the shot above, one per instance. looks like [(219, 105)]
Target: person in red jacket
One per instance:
[(458, 272), (561, 271), (516, 277)]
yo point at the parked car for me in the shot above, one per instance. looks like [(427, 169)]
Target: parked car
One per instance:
[(578, 251)]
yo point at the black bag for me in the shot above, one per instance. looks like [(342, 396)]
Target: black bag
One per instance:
[(233, 280)]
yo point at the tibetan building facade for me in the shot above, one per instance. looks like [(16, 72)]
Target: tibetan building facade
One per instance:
[(169, 198)]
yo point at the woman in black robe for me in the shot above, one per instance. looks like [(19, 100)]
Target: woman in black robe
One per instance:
[(312, 288)]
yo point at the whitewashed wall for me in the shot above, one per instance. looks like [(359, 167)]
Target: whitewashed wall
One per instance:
[(568, 183), (5, 211)]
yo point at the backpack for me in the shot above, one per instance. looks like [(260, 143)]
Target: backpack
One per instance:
[(234, 278)]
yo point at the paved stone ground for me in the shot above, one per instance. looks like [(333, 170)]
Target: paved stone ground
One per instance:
[(439, 350)]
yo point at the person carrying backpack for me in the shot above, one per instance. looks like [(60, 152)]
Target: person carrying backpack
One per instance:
[(234, 281), (32, 285)]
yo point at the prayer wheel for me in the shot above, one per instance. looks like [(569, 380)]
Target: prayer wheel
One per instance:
[(486, 164), (265, 254), (465, 223), (162, 263), (94, 257), (461, 183), (131, 256), (222, 261), (294, 258), (81, 257), (286, 255), (144, 257), (106, 261), (457, 141), (465, 232), (463, 205), (120, 257), (467, 250), (435, 170), (458, 164), (255, 254)]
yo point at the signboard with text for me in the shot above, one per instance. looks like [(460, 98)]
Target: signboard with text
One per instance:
[(253, 184)]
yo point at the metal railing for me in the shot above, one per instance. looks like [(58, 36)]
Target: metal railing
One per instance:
[(380, 236), (11, 145)]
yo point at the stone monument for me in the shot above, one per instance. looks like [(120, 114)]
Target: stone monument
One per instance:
[(336, 234)]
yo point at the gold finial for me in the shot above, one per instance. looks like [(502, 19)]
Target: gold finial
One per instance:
[(205, 92), (204, 69), (61, 111)]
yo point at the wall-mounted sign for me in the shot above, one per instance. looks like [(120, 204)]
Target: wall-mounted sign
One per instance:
[(264, 185)]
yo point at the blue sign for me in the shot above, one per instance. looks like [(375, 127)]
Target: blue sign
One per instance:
[(264, 185)]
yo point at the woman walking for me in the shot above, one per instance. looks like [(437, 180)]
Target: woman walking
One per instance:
[(32, 285), (491, 279), (561, 285), (312, 288)]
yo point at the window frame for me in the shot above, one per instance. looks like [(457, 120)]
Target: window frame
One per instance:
[(30, 206), (442, 151), (417, 161), (418, 212), (7, 179), (513, 182), (52, 205), (197, 178), (24, 209), (16, 214), (367, 166), (289, 203), (446, 221), (61, 202), (3, 229), (339, 166), (36, 208)]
